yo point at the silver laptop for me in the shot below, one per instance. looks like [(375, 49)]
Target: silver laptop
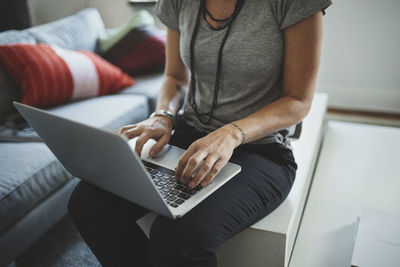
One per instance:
[(109, 161)]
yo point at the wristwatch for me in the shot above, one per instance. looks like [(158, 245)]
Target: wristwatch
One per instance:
[(166, 113)]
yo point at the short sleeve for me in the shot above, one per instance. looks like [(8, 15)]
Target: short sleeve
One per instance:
[(289, 12), (168, 12)]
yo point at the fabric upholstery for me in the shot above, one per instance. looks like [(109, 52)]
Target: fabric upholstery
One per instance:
[(135, 47), (108, 112), (14, 36), (76, 32), (29, 172), (49, 75), (112, 36), (41, 219), (148, 85), (9, 92)]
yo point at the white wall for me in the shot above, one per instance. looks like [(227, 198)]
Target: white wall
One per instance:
[(43, 11), (118, 12), (113, 12), (360, 68)]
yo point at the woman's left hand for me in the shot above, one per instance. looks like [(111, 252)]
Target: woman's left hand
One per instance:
[(215, 149)]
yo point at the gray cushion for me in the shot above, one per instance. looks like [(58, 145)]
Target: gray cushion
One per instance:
[(34, 224), (147, 85), (79, 31), (14, 36), (108, 112), (29, 172), (9, 92)]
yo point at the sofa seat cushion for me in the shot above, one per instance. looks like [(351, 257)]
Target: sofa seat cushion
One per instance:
[(148, 85), (29, 172), (108, 112)]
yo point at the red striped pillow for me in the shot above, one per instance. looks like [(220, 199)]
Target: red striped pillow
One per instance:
[(50, 75)]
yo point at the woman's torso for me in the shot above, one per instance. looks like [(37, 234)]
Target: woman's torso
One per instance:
[(251, 72)]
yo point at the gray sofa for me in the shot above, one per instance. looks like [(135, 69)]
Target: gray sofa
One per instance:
[(34, 187)]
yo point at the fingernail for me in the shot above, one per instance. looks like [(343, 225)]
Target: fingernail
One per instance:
[(152, 154), (192, 185)]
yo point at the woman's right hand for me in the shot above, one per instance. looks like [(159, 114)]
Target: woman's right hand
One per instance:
[(158, 128)]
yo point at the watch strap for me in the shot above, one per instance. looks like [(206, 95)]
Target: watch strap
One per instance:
[(166, 113)]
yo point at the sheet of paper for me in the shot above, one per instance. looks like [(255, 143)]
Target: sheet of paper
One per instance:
[(378, 240)]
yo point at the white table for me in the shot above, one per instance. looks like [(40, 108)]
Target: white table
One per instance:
[(358, 165), (269, 242)]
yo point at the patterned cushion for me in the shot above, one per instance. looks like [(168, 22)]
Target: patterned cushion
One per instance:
[(50, 75), (135, 47), (77, 32), (14, 37)]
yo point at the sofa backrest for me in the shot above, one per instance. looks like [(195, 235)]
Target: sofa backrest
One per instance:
[(9, 91), (76, 32), (15, 36)]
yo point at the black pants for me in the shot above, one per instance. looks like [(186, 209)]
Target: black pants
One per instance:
[(107, 222)]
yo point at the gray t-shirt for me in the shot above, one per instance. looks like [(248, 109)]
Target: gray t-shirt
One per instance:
[(252, 61)]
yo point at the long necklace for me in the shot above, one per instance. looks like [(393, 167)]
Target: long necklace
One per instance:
[(202, 10)]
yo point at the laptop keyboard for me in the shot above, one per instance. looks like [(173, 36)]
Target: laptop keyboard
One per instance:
[(173, 192)]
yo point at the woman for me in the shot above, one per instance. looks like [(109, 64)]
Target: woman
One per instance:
[(250, 70)]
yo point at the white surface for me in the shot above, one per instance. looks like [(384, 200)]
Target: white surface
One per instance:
[(43, 11), (378, 240), (282, 224), (303, 149), (366, 99), (85, 78), (358, 166), (286, 218), (114, 13), (361, 55)]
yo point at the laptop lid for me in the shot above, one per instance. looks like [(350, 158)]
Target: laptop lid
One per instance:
[(97, 156)]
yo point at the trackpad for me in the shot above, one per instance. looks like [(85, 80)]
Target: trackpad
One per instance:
[(167, 158)]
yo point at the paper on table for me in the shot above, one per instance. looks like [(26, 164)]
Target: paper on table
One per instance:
[(378, 240)]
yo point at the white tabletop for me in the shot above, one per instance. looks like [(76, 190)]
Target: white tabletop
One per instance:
[(359, 165)]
